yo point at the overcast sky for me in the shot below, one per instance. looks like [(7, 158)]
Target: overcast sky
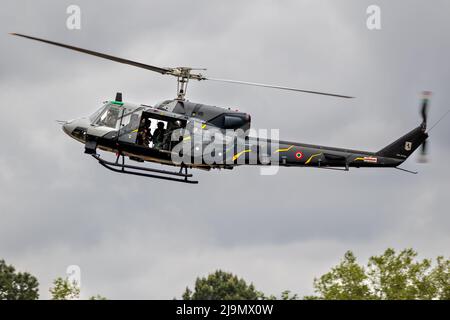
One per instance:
[(139, 238)]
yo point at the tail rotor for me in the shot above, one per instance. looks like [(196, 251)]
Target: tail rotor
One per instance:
[(423, 158)]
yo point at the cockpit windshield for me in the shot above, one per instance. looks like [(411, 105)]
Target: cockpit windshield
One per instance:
[(95, 115), (109, 116)]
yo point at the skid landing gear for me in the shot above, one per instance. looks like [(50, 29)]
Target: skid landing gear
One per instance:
[(121, 167)]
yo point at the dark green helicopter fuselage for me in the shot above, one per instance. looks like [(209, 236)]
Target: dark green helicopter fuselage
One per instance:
[(199, 120)]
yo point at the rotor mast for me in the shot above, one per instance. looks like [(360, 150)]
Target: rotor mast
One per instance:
[(184, 74), (182, 83)]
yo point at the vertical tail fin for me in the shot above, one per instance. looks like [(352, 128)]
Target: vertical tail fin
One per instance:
[(403, 147)]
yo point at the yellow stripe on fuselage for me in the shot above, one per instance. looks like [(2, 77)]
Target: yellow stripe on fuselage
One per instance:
[(313, 156), (237, 155), (284, 149)]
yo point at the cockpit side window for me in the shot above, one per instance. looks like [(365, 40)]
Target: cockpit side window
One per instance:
[(129, 125)]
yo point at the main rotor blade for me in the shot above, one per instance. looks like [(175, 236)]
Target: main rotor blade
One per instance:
[(179, 72), (99, 54), (278, 87)]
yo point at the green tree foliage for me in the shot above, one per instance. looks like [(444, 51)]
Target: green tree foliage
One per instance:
[(222, 285), (346, 281), (441, 278), (97, 297), (389, 276), (286, 295), (64, 290), (17, 285)]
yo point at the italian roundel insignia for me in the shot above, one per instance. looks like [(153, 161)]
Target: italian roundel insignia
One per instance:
[(298, 155)]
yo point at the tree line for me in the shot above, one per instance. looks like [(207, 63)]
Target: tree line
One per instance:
[(389, 276)]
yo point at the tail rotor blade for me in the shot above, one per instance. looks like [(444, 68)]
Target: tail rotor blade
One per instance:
[(424, 148), (424, 111), (423, 158)]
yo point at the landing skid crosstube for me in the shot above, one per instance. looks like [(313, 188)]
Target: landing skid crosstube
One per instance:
[(141, 171)]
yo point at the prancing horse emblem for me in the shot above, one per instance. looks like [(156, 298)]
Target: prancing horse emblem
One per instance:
[(408, 146)]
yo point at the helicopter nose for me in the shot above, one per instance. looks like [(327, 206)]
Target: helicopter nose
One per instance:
[(68, 127), (76, 129)]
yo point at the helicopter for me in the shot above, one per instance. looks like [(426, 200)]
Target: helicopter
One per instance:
[(192, 135)]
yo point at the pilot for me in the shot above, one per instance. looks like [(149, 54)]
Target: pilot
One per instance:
[(158, 135), (111, 118)]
